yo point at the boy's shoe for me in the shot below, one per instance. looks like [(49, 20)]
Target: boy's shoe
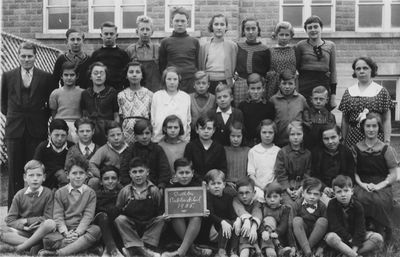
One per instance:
[(6, 248), (170, 254), (44, 252), (116, 253), (221, 253), (105, 253), (97, 250), (284, 251), (145, 252), (200, 251), (35, 249)]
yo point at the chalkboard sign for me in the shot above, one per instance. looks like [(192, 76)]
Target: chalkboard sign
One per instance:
[(185, 201)]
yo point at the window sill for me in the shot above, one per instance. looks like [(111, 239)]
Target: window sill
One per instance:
[(157, 34), (352, 34)]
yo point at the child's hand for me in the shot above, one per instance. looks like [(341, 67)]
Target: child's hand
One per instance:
[(207, 213), (33, 226), (265, 235), (274, 235), (90, 174), (329, 192), (226, 229), (292, 252), (166, 217), (237, 225), (355, 249), (365, 187), (371, 187), (246, 228), (253, 234)]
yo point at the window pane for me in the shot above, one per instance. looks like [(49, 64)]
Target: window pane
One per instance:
[(180, 2), (321, 1), (390, 85), (395, 15), (323, 11), (370, 1), (294, 15), (102, 14), (129, 16), (103, 2), (188, 9), (133, 2), (370, 16), (57, 2), (292, 1), (58, 18)]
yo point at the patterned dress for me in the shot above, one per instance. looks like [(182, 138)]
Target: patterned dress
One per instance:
[(282, 58), (133, 105), (375, 98)]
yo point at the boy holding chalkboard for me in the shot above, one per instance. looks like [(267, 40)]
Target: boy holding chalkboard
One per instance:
[(139, 224)]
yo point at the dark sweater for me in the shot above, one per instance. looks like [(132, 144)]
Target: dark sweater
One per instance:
[(204, 160), (115, 59), (348, 225), (156, 159), (99, 106), (82, 68), (221, 208), (283, 216), (252, 58), (309, 218), (106, 201), (222, 130)]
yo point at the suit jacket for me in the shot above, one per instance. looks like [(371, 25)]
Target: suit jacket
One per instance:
[(222, 130), (34, 115)]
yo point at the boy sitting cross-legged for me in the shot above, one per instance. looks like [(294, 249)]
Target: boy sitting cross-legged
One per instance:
[(74, 208), (28, 219)]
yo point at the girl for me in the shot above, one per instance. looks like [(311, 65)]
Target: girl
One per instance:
[(134, 102), (261, 159), (172, 144), (293, 163), (236, 154), (330, 159), (99, 102), (252, 57), (283, 57), (218, 56), (169, 101), (376, 165)]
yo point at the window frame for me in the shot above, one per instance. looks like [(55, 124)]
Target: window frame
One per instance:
[(46, 8), (395, 78), (306, 12), (386, 16), (117, 5), (180, 3)]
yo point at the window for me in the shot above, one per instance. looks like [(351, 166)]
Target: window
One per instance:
[(122, 12), (56, 16), (171, 5), (392, 84), (377, 15), (297, 11)]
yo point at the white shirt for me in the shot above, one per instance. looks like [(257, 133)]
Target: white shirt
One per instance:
[(372, 90), (82, 147), (29, 190), (225, 115), (81, 189)]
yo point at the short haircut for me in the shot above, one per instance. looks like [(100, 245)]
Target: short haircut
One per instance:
[(267, 122), (144, 19), (287, 75), (27, 46), (370, 116), (219, 15), (342, 181), (313, 19), (77, 160), (84, 120), (213, 174), (201, 74), (34, 164), (222, 87), (107, 168), (138, 162), (111, 124), (203, 119), (283, 25), (371, 63), (73, 30), (244, 24), (108, 24), (311, 183), (295, 124), (330, 126), (97, 64), (58, 124), (182, 162), (141, 125), (172, 118), (166, 71), (273, 187), (180, 10), (138, 64), (68, 66), (255, 78), (319, 90), (244, 182)]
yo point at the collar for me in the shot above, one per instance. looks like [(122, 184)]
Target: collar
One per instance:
[(229, 111), (301, 150), (58, 150), (29, 191), (322, 111), (309, 205), (377, 147), (197, 95), (253, 43), (82, 147), (27, 70), (81, 55), (372, 90), (176, 34), (140, 43), (149, 184), (114, 46), (102, 93), (261, 100), (80, 189), (120, 150), (280, 95)]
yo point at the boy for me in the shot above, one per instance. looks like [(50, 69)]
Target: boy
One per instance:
[(65, 101), (76, 55), (146, 52), (180, 50), (289, 106), (140, 223), (255, 108), (204, 152), (201, 101), (28, 219), (107, 155), (111, 55), (276, 232), (346, 221), (318, 116), (249, 215), (225, 114), (310, 223), (53, 152), (74, 207)]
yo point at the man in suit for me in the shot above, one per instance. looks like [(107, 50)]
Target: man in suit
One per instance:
[(24, 101)]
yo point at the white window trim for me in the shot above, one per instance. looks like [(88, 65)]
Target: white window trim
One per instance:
[(184, 4), (117, 16), (386, 17), (306, 7), (46, 16)]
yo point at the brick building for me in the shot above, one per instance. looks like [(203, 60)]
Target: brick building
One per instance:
[(358, 27)]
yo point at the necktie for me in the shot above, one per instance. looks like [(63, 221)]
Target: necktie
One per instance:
[(34, 194), (311, 206), (26, 78), (87, 152)]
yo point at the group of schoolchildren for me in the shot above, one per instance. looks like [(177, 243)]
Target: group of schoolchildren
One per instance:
[(109, 185)]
